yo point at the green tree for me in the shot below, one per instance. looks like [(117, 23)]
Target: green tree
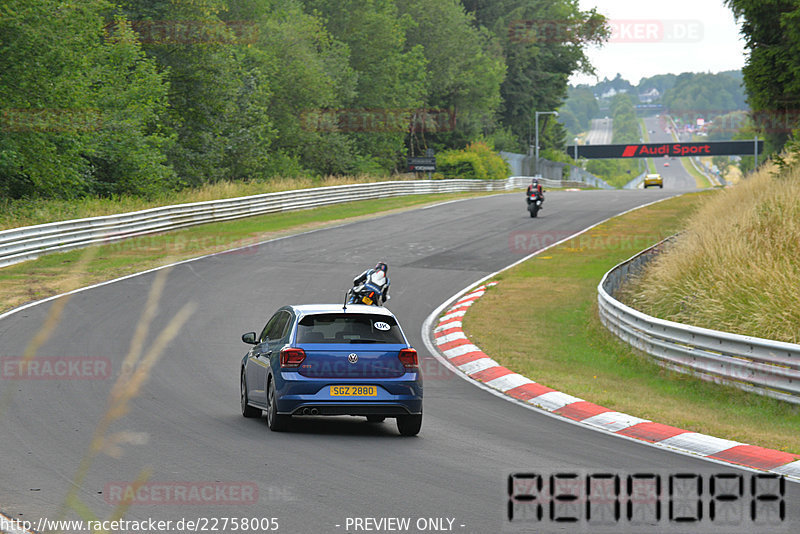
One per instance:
[(217, 97), (579, 109), (308, 72), (625, 126), (659, 82), (80, 107), (128, 154), (391, 78), (465, 69), (543, 44), (704, 94), (772, 72)]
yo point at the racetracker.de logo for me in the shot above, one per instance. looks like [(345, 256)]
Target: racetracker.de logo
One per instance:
[(724, 123), (181, 493), (55, 368), (378, 120), (50, 120), (621, 31), (193, 32), (528, 242)]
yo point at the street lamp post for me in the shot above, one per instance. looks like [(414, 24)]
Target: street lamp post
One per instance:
[(576, 151), (536, 127)]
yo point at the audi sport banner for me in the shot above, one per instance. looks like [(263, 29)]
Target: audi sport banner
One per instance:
[(654, 150)]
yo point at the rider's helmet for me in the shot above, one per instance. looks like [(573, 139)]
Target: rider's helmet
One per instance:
[(535, 182), (381, 266)]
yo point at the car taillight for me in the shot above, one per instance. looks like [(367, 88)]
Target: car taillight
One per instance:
[(291, 357), (408, 357)]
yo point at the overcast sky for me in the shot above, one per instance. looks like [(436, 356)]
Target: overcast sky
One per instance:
[(672, 36)]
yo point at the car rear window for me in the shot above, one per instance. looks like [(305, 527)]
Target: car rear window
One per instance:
[(348, 328)]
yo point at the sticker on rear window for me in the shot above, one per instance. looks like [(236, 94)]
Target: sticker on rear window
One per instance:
[(382, 326)]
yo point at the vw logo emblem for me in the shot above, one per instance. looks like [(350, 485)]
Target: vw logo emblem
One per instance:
[(352, 357)]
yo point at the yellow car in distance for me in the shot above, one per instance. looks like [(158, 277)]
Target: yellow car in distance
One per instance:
[(653, 179)]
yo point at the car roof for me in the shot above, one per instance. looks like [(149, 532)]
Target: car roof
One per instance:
[(653, 176), (314, 309)]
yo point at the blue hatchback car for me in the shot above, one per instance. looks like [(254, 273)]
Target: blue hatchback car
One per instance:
[(327, 359)]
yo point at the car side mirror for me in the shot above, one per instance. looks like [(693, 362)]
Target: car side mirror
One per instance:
[(250, 338)]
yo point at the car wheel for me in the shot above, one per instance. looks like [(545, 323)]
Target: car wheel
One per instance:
[(409, 425), (661, 186), (376, 418), (275, 421), (247, 410)]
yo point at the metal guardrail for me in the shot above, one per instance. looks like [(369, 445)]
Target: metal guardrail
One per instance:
[(29, 242), (636, 182), (762, 366), (524, 181), (521, 166)]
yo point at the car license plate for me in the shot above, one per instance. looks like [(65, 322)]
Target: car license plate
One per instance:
[(367, 301), (354, 391)]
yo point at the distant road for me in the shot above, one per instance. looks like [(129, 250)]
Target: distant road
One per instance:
[(601, 132), (675, 176)]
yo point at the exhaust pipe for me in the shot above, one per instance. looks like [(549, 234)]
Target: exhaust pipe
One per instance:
[(314, 411), (306, 411)]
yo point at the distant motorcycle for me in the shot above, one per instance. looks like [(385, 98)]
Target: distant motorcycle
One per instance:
[(534, 203)]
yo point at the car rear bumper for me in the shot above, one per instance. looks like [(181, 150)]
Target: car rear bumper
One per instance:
[(388, 410), (394, 397)]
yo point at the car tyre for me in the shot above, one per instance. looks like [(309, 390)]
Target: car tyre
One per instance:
[(409, 425), (376, 418), (247, 410), (275, 421)]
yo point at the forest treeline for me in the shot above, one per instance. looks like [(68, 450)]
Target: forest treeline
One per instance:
[(142, 96)]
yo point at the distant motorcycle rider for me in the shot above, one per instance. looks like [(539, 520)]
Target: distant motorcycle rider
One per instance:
[(377, 278), (535, 188)]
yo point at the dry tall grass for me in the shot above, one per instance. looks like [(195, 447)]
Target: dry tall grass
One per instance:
[(16, 213), (737, 266)]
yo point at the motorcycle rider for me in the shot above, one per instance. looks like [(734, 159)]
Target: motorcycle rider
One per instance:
[(378, 277), (535, 188)]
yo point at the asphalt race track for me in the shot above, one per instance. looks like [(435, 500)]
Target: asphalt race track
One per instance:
[(675, 176), (600, 133), (326, 469)]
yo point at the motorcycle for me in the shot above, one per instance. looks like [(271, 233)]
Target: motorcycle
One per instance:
[(366, 293), (534, 203)]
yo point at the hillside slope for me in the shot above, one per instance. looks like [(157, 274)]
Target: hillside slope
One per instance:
[(737, 265)]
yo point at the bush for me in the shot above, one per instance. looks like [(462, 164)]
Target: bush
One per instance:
[(478, 161)]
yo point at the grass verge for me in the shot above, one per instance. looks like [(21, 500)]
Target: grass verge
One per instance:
[(541, 321), (649, 163), (700, 179), (52, 274)]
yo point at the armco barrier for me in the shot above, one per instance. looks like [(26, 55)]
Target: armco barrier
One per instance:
[(758, 365), (29, 242)]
